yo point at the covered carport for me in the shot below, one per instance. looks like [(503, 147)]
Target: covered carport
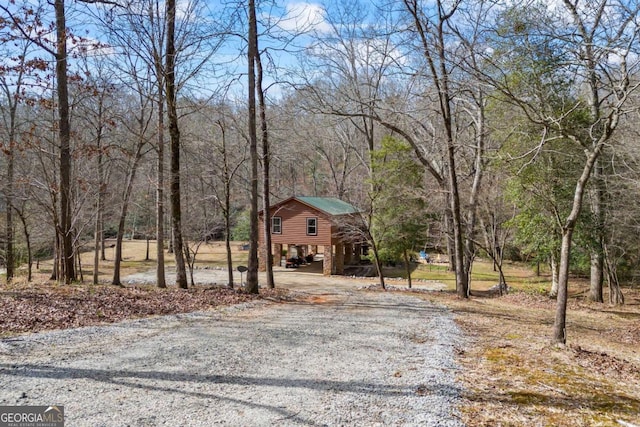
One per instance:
[(323, 226)]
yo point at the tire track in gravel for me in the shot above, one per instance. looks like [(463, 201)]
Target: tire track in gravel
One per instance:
[(343, 358)]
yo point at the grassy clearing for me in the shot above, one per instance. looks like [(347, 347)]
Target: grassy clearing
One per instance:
[(514, 376)]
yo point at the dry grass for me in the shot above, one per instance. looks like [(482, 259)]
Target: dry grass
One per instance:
[(515, 376), (134, 259)]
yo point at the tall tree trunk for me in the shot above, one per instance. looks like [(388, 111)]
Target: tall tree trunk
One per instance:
[(123, 213), (462, 278), (174, 135), (597, 251), (596, 279), (79, 258), (265, 173), (448, 224), (160, 276), (559, 327), (103, 243), (160, 217), (190, 262), (252, 272), (12, 98), (9, 250), (226, 205), (97, 238), (64, 132), (433, 43), (227, 243), (10, 260), (472, 208), (553, 293), (407, 265), (55, 268), (98, 225), (378, 264), (27, 238), (615, 293)]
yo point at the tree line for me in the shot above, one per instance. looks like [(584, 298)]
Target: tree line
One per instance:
[(467, 127)]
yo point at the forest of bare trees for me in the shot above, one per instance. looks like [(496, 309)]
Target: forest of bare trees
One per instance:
[(520, 119)]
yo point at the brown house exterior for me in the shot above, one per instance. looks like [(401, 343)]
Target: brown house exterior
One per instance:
[(305, 224)]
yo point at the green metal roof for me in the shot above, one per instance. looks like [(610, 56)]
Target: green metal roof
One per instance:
[(329, 205)]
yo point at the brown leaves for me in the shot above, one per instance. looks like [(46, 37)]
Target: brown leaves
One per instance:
[(32, 309), (603, 363)]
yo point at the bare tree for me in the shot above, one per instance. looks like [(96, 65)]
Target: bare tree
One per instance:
[(12, 87), (98, 115), (431, 32), (226, 175), (174, 135), (266, 161), (139, 131), (27, 20), (252, 52)]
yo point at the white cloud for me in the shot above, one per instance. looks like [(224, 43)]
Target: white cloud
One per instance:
[(302, 17), (371, 53)]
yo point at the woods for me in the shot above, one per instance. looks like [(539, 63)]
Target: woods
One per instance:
[(462, 128)]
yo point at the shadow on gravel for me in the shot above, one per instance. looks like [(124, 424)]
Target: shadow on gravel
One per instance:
[(128, 379), (54, 372), (120, 378), (112, 378)]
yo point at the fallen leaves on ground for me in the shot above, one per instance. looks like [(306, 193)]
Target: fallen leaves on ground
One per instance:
[(604, 363), (47, 306)]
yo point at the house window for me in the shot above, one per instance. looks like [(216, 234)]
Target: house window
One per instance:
[(276, 225), (312, 226)]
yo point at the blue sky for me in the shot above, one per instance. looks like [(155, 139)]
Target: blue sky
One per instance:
[(292, 21)]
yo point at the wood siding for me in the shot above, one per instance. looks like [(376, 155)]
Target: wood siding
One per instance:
[(294, 225)]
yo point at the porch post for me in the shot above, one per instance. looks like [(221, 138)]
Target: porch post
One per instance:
[(277, 254), (339, 261), (348, 254), (327, 263)]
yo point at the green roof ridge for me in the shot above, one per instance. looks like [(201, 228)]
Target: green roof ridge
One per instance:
[(330, 205)]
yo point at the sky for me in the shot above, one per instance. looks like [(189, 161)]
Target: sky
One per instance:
[(291, 24)]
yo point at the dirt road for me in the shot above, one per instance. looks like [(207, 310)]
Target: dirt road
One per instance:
[(305, 279)]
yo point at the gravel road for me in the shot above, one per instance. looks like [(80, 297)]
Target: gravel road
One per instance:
[(337, 358)]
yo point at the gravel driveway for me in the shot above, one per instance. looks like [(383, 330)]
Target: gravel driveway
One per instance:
[(346, 357)]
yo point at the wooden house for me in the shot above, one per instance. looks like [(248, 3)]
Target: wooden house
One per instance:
[(318, 226)]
